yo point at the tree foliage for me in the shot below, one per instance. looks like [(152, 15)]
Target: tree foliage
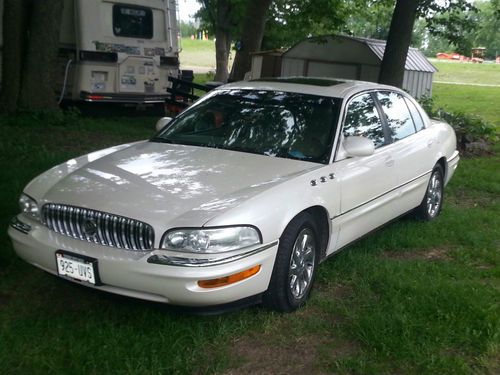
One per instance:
[(290, 21), (403, 19), (222, 18), (451, 21), (369, 19), (485, 31), (188, 28), (488, 31), (252, 31)]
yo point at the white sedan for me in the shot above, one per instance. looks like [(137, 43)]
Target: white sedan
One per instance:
[(239, 198)]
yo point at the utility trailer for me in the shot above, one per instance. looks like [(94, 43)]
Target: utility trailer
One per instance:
[(118, 51)]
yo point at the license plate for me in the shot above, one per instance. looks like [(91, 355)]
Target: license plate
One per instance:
[(76, 267)]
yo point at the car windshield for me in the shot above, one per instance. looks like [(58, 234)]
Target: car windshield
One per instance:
[(273, 123)]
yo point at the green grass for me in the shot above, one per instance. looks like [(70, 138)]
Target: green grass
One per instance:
[(412, 298), (199, 53), (482, 101), (451, 71)]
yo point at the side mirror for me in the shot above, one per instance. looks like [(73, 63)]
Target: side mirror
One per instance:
[(358, 146), (161, 123)]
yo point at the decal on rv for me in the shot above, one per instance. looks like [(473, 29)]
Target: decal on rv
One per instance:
[(114, 47)]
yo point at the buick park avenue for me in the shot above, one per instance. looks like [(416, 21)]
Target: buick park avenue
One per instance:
[(240, 197)]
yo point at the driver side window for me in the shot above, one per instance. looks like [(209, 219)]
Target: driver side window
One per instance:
[(362, 119)]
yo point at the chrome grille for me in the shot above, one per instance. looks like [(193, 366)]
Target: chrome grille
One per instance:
[(98, 227)]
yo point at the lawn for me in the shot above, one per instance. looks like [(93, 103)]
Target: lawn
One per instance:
[(411, 298), (482, 101), (197, 53), (461, 72), (466, 97)]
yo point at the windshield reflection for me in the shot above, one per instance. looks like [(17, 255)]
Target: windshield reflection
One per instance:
[(281, 124)]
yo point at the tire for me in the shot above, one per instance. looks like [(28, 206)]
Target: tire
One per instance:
[(295, 265), (432, 203)]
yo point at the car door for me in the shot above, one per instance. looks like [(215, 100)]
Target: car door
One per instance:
[(367, 183), (412, 148)]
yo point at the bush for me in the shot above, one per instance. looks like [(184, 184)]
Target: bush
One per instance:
[(474, 134)]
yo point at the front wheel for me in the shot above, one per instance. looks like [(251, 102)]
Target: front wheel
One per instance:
[(295, 265), (432, 203)]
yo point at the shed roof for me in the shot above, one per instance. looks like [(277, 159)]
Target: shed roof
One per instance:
[(415, 60)]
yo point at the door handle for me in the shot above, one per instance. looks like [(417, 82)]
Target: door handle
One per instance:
[(430, 142), (389, 161)]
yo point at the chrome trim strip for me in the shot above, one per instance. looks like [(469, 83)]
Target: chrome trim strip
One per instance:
[(197, 262), (19, 225), (381, 195), (455, 155)]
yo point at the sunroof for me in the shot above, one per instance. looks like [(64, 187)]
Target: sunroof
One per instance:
[(302, 81)]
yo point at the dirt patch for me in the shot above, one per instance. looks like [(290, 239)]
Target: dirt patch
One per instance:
[(434, 254), (333, 290), (259, 356), (295, 344), (299, 356), (463, 200)]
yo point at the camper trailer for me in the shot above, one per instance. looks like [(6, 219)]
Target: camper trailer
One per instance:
[(118, 51)]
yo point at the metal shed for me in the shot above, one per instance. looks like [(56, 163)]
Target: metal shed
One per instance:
[(266, 63), (349, 57)]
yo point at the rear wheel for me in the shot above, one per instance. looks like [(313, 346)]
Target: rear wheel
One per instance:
[(432, 203), (295, 266)]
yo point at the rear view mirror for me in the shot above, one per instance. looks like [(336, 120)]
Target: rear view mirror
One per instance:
[(358, 146), (161, 123)]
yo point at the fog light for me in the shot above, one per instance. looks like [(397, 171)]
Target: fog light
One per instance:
[(231, 279)]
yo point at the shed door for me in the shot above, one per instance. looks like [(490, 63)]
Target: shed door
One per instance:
[(322, 69)]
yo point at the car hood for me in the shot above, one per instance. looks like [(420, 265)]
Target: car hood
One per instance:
[(169, 185)]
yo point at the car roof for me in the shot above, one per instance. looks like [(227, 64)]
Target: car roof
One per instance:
[(333, 87)]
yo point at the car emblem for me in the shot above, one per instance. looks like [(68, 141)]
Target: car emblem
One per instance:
[(89, 228)]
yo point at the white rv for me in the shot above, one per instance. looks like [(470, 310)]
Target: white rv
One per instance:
[(118, 51)]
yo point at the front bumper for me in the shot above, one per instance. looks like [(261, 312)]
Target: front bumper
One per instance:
[(128, 273)]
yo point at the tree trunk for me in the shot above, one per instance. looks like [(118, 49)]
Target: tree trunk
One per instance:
[(222, 49), (222, 40), (14, 38), (40, 69), (398, 42), (254, 23)]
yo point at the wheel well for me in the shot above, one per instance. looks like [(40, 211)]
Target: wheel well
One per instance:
[(443, 163), (322, 219)]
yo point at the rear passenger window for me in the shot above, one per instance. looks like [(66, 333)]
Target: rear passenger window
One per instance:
[(415, 114), (363, 119), (397, 114)]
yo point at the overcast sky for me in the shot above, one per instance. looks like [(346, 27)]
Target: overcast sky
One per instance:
[(187, 8)]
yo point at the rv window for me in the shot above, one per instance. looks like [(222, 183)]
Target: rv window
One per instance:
[(132, 21)]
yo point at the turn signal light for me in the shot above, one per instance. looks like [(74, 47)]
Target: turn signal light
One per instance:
[(231, 279)]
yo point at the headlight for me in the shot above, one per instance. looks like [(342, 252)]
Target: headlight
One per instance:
[(210, 240), (29, 206)]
